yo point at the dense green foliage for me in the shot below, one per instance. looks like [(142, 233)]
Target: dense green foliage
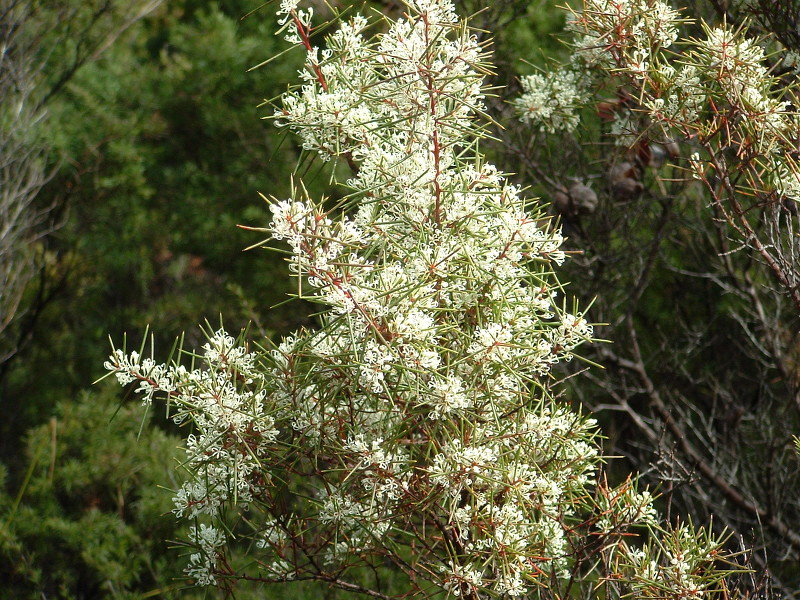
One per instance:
[(88, 519), (160, 154)]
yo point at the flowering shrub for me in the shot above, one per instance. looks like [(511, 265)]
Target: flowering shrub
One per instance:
[(416, 427), (681, 139), (715, 93)]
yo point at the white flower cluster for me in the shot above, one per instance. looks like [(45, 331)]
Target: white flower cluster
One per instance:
[(506, 506), (735, 65), (360, 525), (134, 367), (640, 29), (233, 434), (296, 222), (624, 507), (681, 564), (462, 580), (383, 473), (202, 564), (551, 101), (727, 72), (720, 78), (684, 96), (785, 176), (353, 87)]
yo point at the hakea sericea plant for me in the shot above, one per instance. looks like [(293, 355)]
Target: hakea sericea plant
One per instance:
[(716, 91), (715, 95), (414, 429)]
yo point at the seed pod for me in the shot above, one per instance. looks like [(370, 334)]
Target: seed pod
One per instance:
[(622, 170), (584, 199), (672, 148), (627, 188)]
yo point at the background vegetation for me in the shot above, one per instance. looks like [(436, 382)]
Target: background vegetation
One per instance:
[(135, 128)]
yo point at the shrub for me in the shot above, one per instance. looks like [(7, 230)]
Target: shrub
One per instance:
[(416, 430)]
